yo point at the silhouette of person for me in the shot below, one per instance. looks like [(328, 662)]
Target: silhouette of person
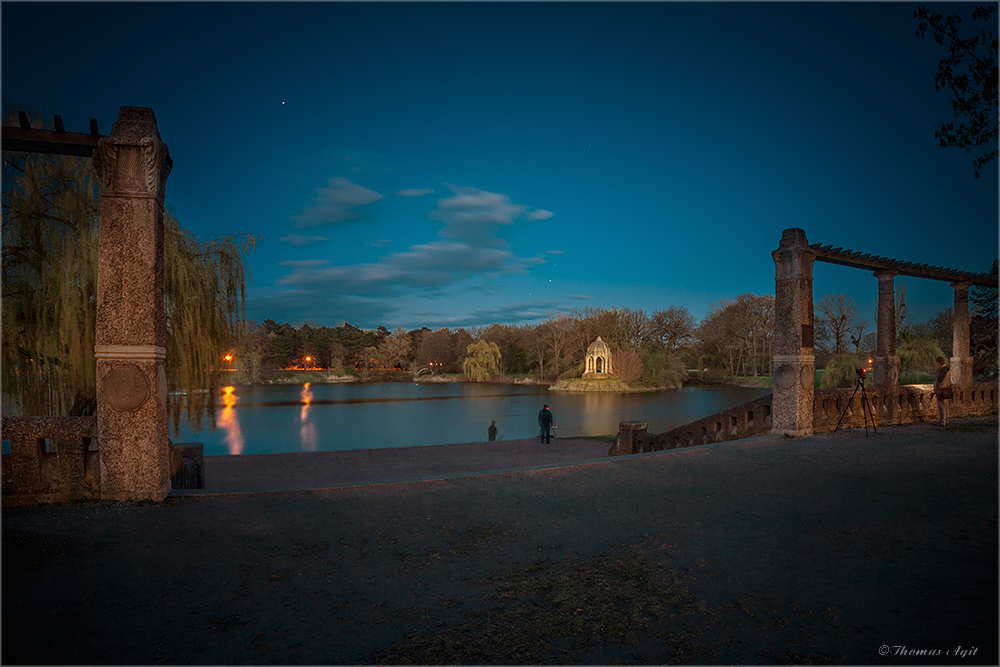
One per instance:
[(942, 390), (492, 430), (545, 424)]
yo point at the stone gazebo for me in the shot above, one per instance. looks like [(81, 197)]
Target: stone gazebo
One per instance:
[(599, 361)]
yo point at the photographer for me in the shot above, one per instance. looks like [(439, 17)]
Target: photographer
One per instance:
[(942, 390)]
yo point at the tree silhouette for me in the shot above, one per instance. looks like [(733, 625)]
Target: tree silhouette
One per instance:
[(970, 71)]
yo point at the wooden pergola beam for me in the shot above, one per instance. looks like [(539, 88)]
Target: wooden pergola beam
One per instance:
[(858, 261), (52, 142)]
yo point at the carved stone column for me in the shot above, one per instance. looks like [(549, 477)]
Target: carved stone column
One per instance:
[(132, 164), (961, 357), (794, 356)]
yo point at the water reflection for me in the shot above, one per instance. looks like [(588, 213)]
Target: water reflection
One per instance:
[(229, 423), (329, 417), (307, 429)]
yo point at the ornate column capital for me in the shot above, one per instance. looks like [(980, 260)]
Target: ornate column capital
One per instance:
[(132, 161)]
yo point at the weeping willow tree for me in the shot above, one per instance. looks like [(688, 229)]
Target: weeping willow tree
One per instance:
[(51, 209), (205, 287)]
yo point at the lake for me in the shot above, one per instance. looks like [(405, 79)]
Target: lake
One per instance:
[(329, 417)]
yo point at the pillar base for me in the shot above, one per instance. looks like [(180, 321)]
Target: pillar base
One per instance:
[(886, 372), (158, 495), (961, 371), (792, 404)]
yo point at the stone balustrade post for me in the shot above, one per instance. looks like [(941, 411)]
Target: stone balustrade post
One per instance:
[(132, 165), (794, 355), (961, 356)]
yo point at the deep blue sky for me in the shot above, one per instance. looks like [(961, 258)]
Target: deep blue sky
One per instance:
[(455, 164)]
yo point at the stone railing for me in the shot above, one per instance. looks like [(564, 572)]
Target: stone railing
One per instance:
[(909, 403), (912, 403), (743, 421), (56, 459)]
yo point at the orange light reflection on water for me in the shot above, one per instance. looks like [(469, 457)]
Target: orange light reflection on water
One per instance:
[(307, 429), (229, 422)]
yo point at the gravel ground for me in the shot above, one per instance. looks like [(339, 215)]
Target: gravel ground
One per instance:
[(832, 549)]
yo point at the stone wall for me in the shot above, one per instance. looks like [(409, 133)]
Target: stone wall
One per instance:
[(751, 418), (913, 403), (57, 459), (52, 459)]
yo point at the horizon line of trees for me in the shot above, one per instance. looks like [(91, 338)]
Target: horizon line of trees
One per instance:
[(735, 338)]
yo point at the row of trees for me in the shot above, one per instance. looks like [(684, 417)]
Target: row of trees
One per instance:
[(735, 337)]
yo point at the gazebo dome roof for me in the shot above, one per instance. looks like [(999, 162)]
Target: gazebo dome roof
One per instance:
[(598, 347)]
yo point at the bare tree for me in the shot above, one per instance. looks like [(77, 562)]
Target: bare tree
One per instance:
[(838, 314), (395, 349), (559, 334), (673, 328), (902, 309)]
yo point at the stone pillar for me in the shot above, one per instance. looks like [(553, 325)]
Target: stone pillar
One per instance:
[(886, 363), (961, 358), (132, 164), (794, 357)]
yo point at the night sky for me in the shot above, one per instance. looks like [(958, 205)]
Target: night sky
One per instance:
[(457, 164)]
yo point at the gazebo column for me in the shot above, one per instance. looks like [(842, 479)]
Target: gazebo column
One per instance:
[(886, 363), (961, 358), (794, 356), (132, 164)]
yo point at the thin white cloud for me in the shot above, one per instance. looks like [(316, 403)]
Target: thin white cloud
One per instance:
[(335, 203), (469, 254), (297, 240), (472, 205), (511, 313), (432, 265), (554, 252), (539, 214)]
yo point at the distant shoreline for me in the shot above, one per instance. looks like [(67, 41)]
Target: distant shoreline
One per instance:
[(572, 385)]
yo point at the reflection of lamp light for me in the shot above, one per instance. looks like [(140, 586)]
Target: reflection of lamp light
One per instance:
[(230, 423)]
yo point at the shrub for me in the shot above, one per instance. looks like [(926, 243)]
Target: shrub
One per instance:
[(918, 354), (841, 371), (628, 365), (662, 371)]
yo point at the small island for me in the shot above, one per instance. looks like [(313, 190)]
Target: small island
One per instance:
[(599, 374)]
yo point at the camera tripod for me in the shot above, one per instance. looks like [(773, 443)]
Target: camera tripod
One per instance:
[(866, 409)]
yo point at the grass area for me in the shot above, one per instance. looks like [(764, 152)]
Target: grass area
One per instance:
[(761, 381)]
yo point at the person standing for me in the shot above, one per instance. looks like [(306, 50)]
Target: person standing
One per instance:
[(942, 390), (492, 430), (545, 424)]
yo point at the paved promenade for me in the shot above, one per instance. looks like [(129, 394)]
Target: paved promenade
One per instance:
[(837, 548)]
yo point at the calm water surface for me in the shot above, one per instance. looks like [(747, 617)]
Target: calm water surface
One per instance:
[(327, 417)]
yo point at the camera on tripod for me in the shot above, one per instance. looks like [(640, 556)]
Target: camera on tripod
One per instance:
[(866, 409)]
